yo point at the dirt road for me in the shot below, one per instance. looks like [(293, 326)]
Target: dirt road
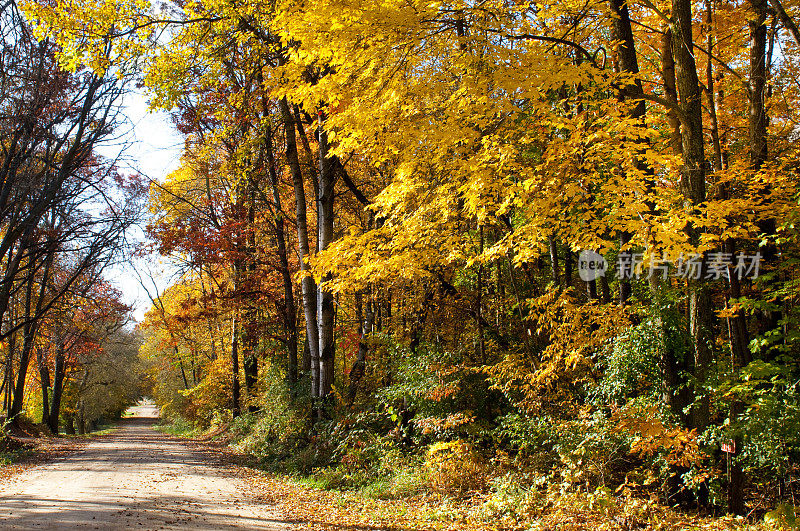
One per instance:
[(135, 478)]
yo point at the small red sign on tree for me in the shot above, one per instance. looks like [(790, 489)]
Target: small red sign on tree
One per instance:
[(729, 446)]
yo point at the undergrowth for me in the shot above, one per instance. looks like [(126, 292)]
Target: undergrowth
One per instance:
[(10, 457), (177, 427)]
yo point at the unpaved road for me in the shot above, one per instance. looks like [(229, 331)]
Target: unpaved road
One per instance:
[(135, 478)]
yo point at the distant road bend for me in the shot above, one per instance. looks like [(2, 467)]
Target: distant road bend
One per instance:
[(136, 478)]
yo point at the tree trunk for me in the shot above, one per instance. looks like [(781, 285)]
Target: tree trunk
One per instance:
[(624, 283), (628, 62), (290, 317), (591, 290), (554, 266), (249, 362), (325, 308), (365, 324), (694, 190), (758, 133), (569, 264), (44, 380), (249, 314), (758, 155), (307, 284), (59, 374), (479, 320), (235, 388), (710, 97), (786, 20), (12, 349), (670, 89), (28, 332), (81, 419), (69, 424), (758, 80)]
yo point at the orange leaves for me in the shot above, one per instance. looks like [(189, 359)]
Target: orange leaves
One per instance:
[(436, 425), (680, 445)]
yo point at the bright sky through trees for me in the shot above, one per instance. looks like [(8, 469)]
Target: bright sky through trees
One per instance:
[(152, 148)]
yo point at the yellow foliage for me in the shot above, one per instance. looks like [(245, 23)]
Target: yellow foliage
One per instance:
[(651, 435), (570, 332), (455, 467), (211, 394)]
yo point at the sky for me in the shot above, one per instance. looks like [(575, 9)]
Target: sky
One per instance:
[(153, 150)]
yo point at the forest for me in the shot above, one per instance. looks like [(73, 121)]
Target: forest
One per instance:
[(68, 359), (533, 263)]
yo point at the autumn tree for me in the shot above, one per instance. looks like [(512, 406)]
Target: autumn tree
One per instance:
[(460, 157)]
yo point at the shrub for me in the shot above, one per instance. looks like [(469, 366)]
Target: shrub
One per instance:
[(177, 426), (455, 467), (405, 481), (513, 500)]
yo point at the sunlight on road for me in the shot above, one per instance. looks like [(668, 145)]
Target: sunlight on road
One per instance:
[(146, 408)]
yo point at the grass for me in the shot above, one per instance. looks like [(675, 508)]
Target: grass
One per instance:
[(104, 429), (397, 493), (178, 428), (405, 482), (401, 482), (10, 457), (377, 505)]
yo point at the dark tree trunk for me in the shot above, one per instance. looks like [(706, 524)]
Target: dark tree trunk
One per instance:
[(627, 60), (69, 424), (250, 366), (555, 272), (325, 310), (479, 320), (28, 336), (758, 134), (365, 323), (710, 97), (670, 89), (569, 264), (591, 290), (8, 375), (758, 81), (624, 283), (786, 20), (235, 388), (81, 419), (44, 379), (249, 325), (758, 155), (676, 395), (290, 317), (307, 284), (59, 374), (694, 190)]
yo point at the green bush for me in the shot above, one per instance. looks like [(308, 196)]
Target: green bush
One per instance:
[(769, 427), (279, 427), (441, 396), (177, 426), (630, 365)]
